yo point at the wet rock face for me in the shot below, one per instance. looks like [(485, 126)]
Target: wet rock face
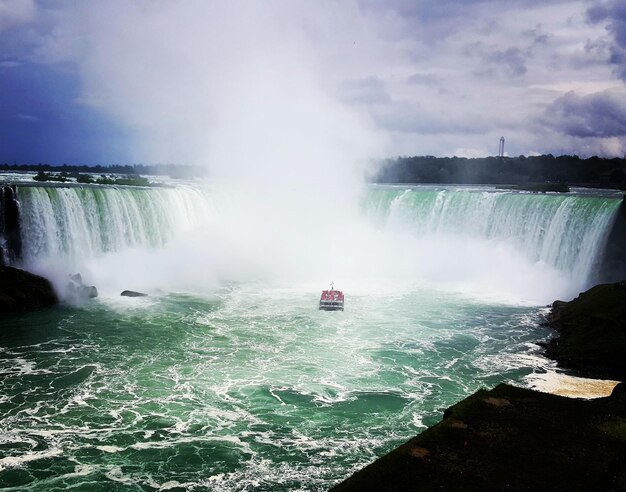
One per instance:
[(22, 291), (592, 332), (78, 291), (10, 239)]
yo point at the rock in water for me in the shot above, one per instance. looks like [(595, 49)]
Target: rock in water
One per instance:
[(77, 278), (132, 293), (23, 291), (78, 290), (90, 291)]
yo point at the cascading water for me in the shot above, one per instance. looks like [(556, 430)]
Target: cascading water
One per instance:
[(63, 229), (240, 383), (424, 233), (561, 232), (83, 222)]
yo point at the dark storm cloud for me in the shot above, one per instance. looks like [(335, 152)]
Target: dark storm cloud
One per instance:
[(613, 12), (602, 114), (491, 60)]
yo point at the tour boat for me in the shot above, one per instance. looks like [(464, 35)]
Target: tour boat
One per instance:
[(331, 300)]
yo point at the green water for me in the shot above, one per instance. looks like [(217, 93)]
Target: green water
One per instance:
[(245, 388)]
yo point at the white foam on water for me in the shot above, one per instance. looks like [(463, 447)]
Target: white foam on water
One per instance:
[(110, 449), (81, 471), (16, 461)]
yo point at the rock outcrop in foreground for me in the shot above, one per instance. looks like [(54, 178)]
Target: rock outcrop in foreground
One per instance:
[(23, 291), (592, 332), (510, 438)]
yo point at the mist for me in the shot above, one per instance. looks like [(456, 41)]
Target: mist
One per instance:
[(241, 89)]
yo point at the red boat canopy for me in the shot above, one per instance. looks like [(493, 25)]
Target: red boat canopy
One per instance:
[(331, 295)]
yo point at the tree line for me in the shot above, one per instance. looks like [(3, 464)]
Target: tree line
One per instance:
[(171, 170), (571, 169)]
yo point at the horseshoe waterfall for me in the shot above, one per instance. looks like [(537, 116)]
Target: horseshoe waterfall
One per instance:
[(226, 376)]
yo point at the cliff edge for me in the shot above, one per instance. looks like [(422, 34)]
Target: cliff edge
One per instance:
[(510, 438), (592, 332)]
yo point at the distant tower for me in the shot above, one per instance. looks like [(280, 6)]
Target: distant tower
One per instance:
[(501, 149)]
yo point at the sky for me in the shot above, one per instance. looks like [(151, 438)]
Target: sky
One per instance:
[(224, 83)]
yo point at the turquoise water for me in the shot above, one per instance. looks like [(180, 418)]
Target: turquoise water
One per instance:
[(227, 377), (251, 388)]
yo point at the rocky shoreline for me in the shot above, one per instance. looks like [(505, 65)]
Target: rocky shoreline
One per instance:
[(592, 332), (22, 291), (512, 438)]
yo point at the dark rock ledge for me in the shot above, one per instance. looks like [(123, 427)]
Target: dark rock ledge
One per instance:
[(510, 438), (516, 439), (592, 332), (23, 291)]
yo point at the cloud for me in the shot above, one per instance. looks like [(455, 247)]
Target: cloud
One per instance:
[(226, 82), (15, 13), (613, 14), (27, 117), (512, 60), (601, 114), (420, 78), (407, 117)]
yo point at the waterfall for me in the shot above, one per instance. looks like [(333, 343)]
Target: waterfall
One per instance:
[(533, 246), (564, 232), (84, 222)]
